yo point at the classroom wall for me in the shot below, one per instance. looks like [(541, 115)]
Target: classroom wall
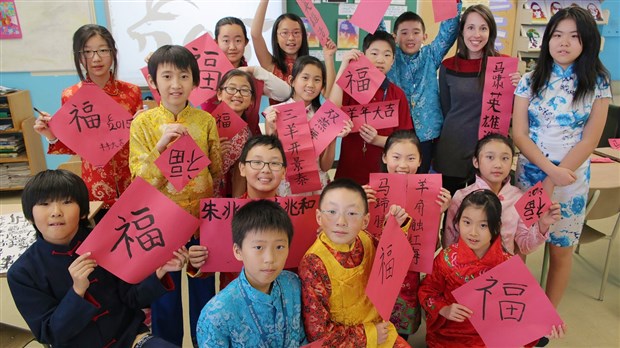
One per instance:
[(46, 89)]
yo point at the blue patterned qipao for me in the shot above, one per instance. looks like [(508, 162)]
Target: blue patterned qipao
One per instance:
[(227, 321), (556, 126)]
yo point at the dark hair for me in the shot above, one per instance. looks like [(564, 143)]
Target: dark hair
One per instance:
[(588, 67), (489, 138), (278, 54), (489, 203), (262, 140), (261, 216), (406, 17), (55, 185), (85, 33), (347, 184), (400, 136), (176, 55), (299, 65), (232, 21), (379, 35), (489, 49), (236, 72)]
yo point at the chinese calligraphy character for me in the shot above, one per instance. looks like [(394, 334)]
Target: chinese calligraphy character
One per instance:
[(147, 240), (387, 264), (486, 292), (91, 121)]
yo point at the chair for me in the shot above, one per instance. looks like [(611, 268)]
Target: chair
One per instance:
[(612, 128), (74, 165), (605, 203)]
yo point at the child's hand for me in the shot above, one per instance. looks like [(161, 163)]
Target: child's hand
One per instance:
[(198, 255), (225, 146), (271, 115), (548, 186), (148, 57), (399, 213), (515, 77), (557, 331), (562, 176), (349, 56), (549, 217), (171, 133), (176, 263), (41, 127), (79, 270), (329, 50), (443, 199), (382, 332), (456, 312), (368, 133), (370, 193), (247, 69), (346, 129)]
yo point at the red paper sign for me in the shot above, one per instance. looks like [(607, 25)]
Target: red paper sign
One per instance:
[(369, 14), (139, 233), (212, 63), (422, 192), (497, 96), (444, 9), (390, 189), (327, 122), (510, 308), (315, 344), (533, 204), (389, 268), (227, 121), (92, 124), (315, 19), (302, 171), (614, 143), (380, 115), (182, 161), (216, 230), (601, 160), (361, 80)]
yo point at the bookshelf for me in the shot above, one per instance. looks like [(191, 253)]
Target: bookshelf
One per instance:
[(21, 150)]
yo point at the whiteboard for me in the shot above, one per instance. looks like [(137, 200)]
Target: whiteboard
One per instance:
[(140, 27), (47, 34)]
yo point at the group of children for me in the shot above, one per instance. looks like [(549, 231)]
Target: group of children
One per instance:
[(558, 118)]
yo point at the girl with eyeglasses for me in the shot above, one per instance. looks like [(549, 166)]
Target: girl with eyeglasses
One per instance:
[(95, 57), (288, 42)]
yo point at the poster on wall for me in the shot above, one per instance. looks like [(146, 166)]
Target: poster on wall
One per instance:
[(10, 28), (313, 40), (348, 34)]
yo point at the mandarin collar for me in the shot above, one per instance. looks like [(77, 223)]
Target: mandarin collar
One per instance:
[(109, 88), (564, 73), (343, 248), (65, 250), (255, 295)]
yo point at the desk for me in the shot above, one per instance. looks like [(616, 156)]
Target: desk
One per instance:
[(608, 152), (604, 175), (8, 311)]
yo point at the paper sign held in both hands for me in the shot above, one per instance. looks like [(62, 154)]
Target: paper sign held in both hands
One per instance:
[(614, 143), (444, 9), (389, 268), (361, 80), (92, 124), (315, 19), (390, 189), (380, 115), (227, 121), (510, 308), (533, 204), (327, 122), (139, 233), (212, 63), (182, 161), (497, 96), (369, 14)]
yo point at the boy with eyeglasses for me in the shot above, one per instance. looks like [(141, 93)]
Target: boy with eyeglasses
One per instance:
[(174, 72), (335, 270)]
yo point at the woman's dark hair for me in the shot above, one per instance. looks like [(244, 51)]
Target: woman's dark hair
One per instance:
[(489, 203), (278, 54), (233, 73), (400, 136), (299, 66), (55, 185), (82, 35), (489, 49), (232, 21), (177, 56), (588, 67)]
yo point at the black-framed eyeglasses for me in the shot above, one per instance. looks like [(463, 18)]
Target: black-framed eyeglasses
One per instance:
[(259, 165), (89, 54), (245, 92)]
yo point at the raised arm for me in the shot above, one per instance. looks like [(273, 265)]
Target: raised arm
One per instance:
[(256, 32)]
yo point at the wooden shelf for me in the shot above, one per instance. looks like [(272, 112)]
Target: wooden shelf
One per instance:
[(22, 158), (13, 188)]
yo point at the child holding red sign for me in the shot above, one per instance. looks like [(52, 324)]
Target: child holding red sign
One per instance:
[(402, 155), (478, 221), (173, 71), (94, 49), (66, 300), (493, 160)]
